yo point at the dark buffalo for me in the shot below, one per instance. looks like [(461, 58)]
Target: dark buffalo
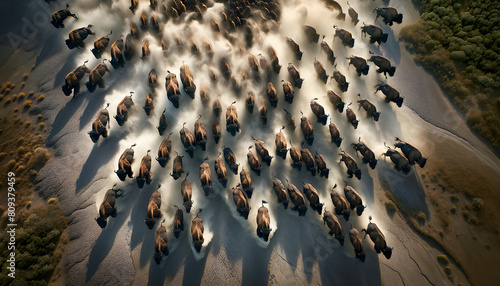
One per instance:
[(172, 87), (232, 123), (333, 224), (187, 194), (164, 151), (161, 247), (371, 110), (297, 199), (321, 165), (125, 164), (340, 204), (328, 51), (72, 80), (375, 32), (77, 36), (313, 197), (320, 71), (345, 36), (307, 129), (123, 109), (272, 94), (154, 211), (350, 163), (311, 34), (250, 102), (360, 64), (288, 91), (295, 48), (383, 64), (231, 159), (367, 153), (290, 121), (178, 222), (253, 161), (216, 131), (294, 76), (389, 14), (200, 134), (205, 177), (353, 14), (197, 232), (144, 171), (319, 111), (95, 77), (262, 151), (296, 156), (263, 112), (400, 161), (354, 199), (280, 192), (357, 243), (59, 16), (107, 207), (308, 159), (351, 116), (411, 153), (263, 222), (220, 170), (187, 81), (148, 104), (162, 123), (341, 81), (100, 125), (336, 100), (241, 201), (391, 94), (246, 182), (152, 79), (177, 168), (378, 238), (188, 140), (335, 134), (281, 146)]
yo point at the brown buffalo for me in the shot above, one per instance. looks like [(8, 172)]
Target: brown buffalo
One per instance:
[(307, 129), (294, 76), (205, 177), (354, 199), (290, 121), (188, 140), (295, 48), (77, 36), (100, 45), (154, 211), (72, 80), (95, 77), (334, 134), (320, 71), (144, 20), (220, 170), (341, 80), (288, 91), (145, 49), (265, 66), (275, 63), (367, 153), (216, 131), (125, 164), (241, 201), (123, 109), (177, 168), (272, 94), (246, 182), (350, 163), (232, 123), (144, 171), (129, 49), (321, 165), (172, 87), (107, 207), (280, 192), (148, 104), (328, 51), (263, 222), (297, 199), (250, 102), (389, 14), (336, 100), (378, 238), (117, 57), (340, 204), (383, 64), (375, 32), (187, 80), (197, 232), (319, 111), (400, 161), (281, 146), (164, 151), (357, 243), (311, 34), (217, 108), (263, 112), (100, 125), (225, 69), (161, 247), (411, 153), (360, 64), (262, 151), (162, 123), (152, 79), (133, 5), (353, 14), (204, 95), (391, 94), (187, 194), (308, 160), (333, 224), (178, 222), (371, 110), (59, 16), (313, 197), (345, 36), (200, 134), (253, 161), (351, 116), (231, 159), (296, 156)]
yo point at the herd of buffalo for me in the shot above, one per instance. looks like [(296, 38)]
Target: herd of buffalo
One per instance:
[(243, 17)]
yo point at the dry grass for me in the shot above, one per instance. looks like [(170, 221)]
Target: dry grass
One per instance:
[(27, 103), (41, 97), (443, 259), (390, 206)]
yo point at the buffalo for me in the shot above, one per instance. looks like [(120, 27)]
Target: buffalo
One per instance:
[(253, 161), (162, 123), (117, 56), (340, 204), (350, 163), (353, 14), (311, 34), (254, 65), (297, 199), (107, 207), (334, 5), (145, 49), (275, 63), (265, 66), (389, 14), (204, 95), (152, 79), (319, 111), (205, 177), (336, 100), (177, 168), (333, 225), (172, 87), (296, 156), (383, 64), (133, 5), (371, 110), (148, 104), (232, 123), (263, 112), (217, 108), (351, 116), (262, 151), (95, 77), (164, 151), (59, 16), (178, 222), (125, 164), (320, 71), (231, 159), (295, 48), (144, 20), (334, 134), (100, 125), (225, 68), (77, 36), (375, 32), (328, 51), (307, 129), (100, 45), (129, 50), (280, 192), (294, 75), (357, 243), (187, 194), (360, 64), (354, 199), (378, 238), (290, 121), (216, 131), (321, 165), (200, 134), (391, 94), (263, 222), (246, 182), (411, 153), (288, 91), (72, 80), (272, 94), (400, 161), (345, 36), (207, 46), (308, 159), (154, 211), (188, 140), (123, 108), (161, 247), (250, 102), (144, 171), (313, 197), (241, 201), (367, 153), (197, 232), (187, 81), (220, 170), (155, 25), (341, 81), (281, 146)]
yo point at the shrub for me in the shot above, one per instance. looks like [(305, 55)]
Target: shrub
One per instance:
[(447, 270), (41, 97), (27, 103), (443, 259), (25, 76), (390, 206), (477, 203), (31, 93), (453, 210)]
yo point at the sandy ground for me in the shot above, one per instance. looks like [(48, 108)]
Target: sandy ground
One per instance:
[(300, 250)]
